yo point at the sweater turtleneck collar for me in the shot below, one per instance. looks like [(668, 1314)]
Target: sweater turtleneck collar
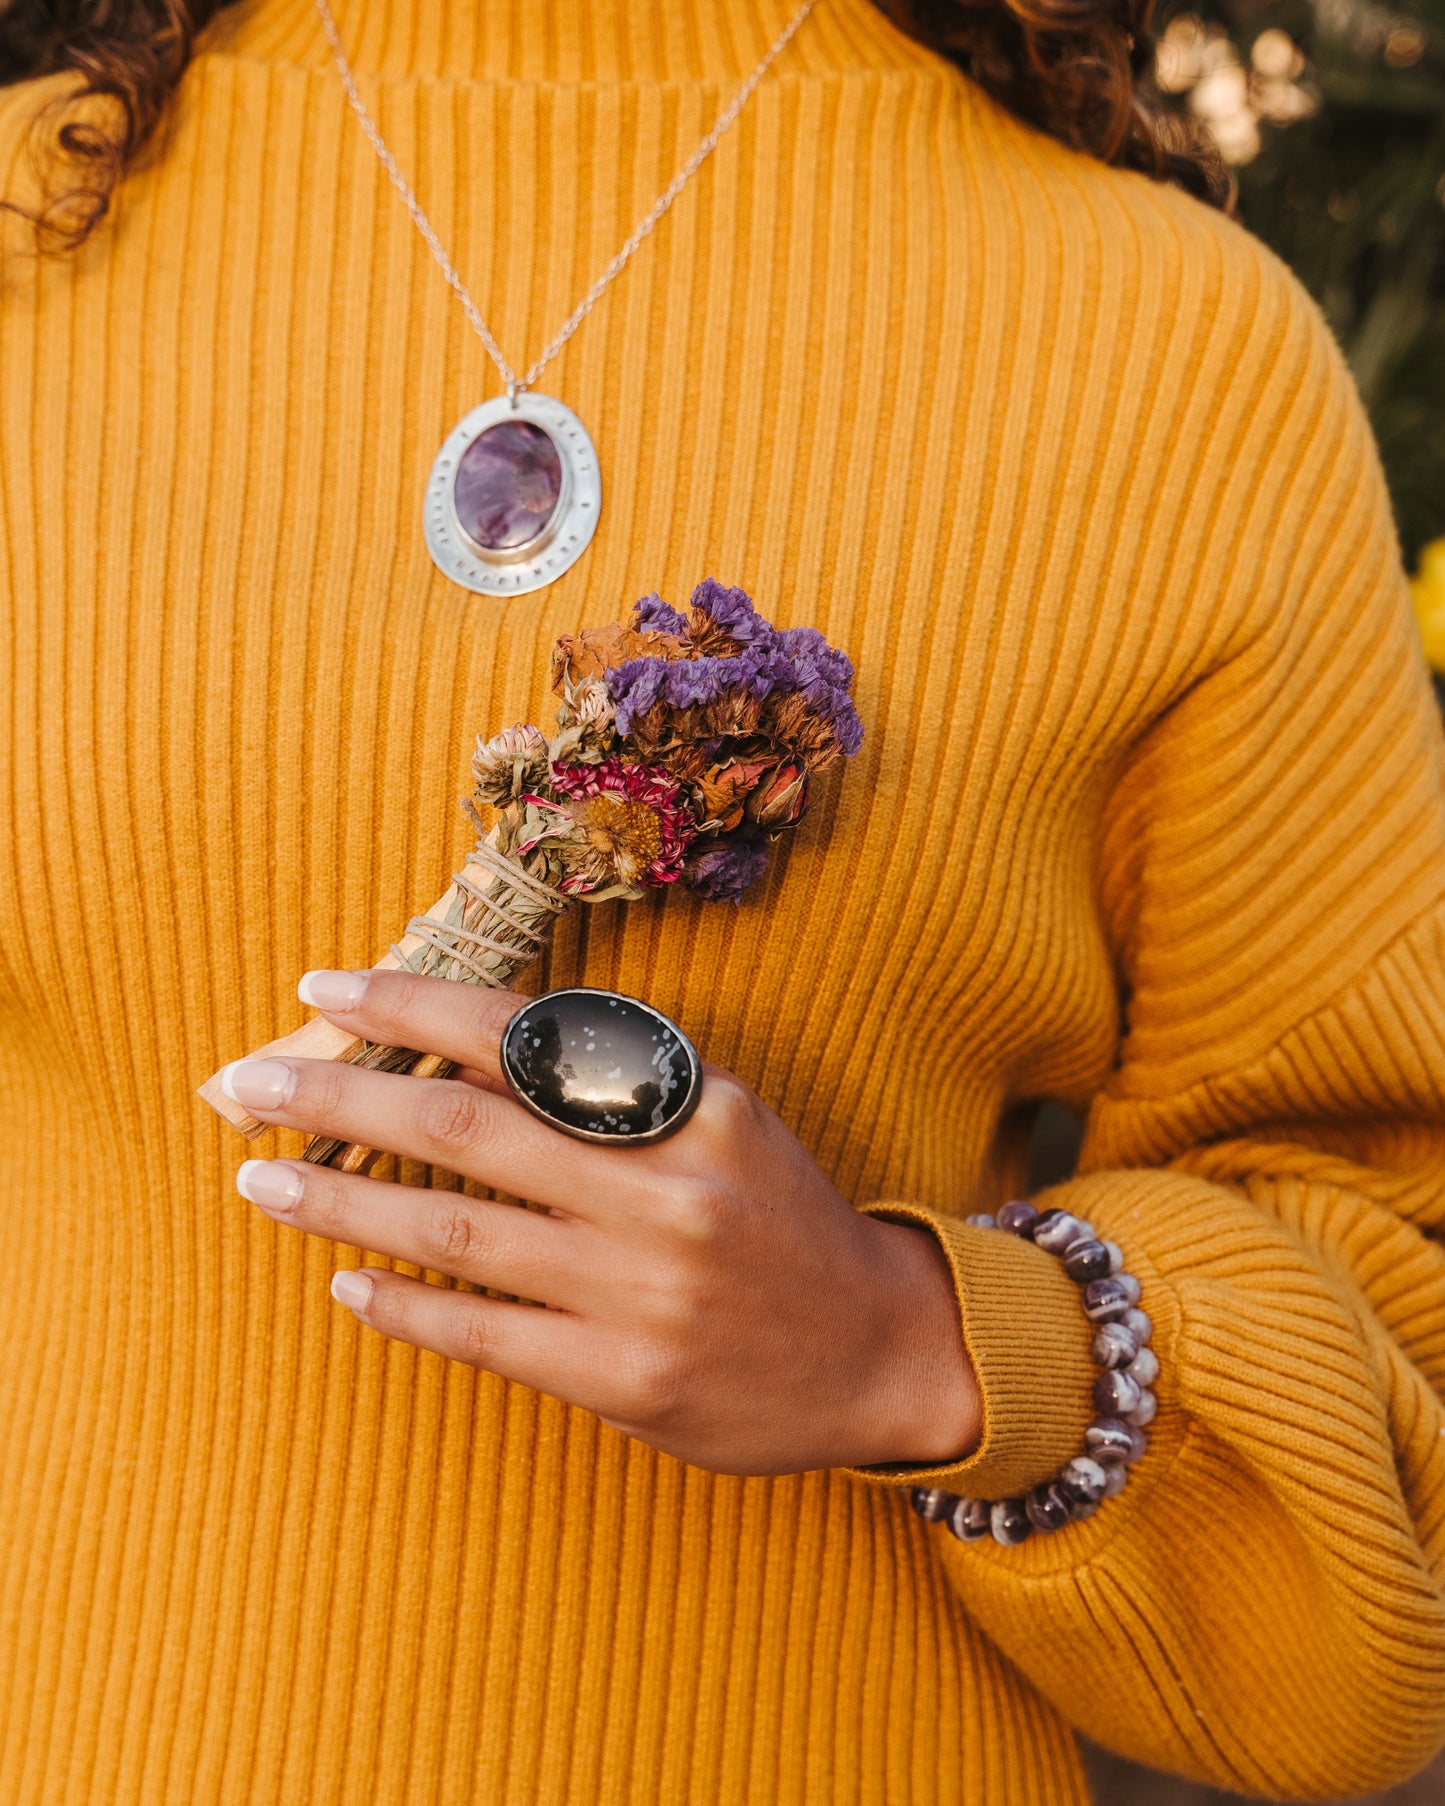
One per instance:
[(566, 40)]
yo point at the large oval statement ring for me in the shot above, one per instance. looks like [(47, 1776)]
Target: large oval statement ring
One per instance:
[(601, 1066)]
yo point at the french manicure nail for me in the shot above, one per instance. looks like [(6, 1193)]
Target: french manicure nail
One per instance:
[(334, 991), (270, 1183), (259, 1084), (352, 1289)]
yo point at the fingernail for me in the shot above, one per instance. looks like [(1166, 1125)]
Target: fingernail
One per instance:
[(352, 1289), (334, 991), (270, 1183), (259, 1084)]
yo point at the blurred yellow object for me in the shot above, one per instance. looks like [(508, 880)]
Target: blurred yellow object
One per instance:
[(1427, 592)]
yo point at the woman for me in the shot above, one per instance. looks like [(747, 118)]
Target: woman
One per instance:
[(1148, 817)]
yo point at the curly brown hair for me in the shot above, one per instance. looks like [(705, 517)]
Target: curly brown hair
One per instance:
[(1080, 70)]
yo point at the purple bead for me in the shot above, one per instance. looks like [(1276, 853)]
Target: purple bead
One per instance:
[(1139, 1448), (1116, 1478), (1047, 1507), (1009, 1522), (1143, 1413), (1131, 1286), (508, 483), (1116, 1257), (1144, 1367), (1018, 1216), (1115, 1394), (1085, 1508), (1113, 1346), (1138, 1325), (1087, 1260), (931, 1503), (1109, 1440), (1057, 1230), (1105, 1300), (1082, 1479), (969, 1520)]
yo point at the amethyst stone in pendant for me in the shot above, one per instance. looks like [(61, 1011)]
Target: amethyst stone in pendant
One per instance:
[(508, 484)]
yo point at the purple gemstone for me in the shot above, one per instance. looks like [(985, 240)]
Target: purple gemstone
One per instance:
[(508, 483), (1048, 1507), (1018, 1217), (931, 1503), (969, 1519)]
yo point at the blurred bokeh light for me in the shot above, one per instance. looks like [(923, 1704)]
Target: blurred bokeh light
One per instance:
[(1331, 117)]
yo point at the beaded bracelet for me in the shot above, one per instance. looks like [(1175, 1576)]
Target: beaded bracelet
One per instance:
[(1115, 1440)]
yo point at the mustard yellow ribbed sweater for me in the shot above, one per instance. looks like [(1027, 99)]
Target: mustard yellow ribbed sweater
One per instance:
[(1149, 817)]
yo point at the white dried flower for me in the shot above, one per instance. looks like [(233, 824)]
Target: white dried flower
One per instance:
[(510, 763), (593, 705)]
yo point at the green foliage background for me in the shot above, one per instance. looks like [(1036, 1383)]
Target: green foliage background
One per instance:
[(1352, 196)]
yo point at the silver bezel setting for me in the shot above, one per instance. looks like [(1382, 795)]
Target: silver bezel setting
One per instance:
[(568, 533)]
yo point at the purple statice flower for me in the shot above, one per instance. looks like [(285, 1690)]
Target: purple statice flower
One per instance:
[(724, 873), (770, 661), (848, 726), (640, 683), (652, 612), (825, 678), (634, 687), (733, 611), (691, 682)]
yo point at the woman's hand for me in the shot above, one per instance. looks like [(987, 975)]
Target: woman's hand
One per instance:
[(713, 1295)]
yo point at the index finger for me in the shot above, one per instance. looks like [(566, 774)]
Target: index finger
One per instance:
[(461, 1022), (479, 1134)]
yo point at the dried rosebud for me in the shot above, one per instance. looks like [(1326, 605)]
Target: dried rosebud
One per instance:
[(510, 763), (723, 789), (780, 799)]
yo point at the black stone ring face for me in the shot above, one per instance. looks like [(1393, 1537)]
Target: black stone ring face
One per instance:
[(601, 1066)]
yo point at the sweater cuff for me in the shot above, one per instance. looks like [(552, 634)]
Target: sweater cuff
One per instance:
[(1027, 1336)]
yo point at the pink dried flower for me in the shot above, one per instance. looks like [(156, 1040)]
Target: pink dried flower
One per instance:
[(633, 823)]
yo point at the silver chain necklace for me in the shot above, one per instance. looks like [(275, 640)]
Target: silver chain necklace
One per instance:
[(513, 498)]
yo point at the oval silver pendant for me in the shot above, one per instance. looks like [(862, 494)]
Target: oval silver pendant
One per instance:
[(513, 498)]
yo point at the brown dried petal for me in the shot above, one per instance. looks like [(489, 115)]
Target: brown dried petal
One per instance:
[(732, 716), (721, 786), (578, 656), (669, 737), (709, 640), (796, 731)]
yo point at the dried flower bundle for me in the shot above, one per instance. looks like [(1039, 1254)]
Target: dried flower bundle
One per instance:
[(685, 744)]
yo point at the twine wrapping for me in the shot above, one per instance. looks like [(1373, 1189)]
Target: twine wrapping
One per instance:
[(513, 935)]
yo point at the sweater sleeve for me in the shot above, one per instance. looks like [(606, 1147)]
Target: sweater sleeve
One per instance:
[(1264, 1605)]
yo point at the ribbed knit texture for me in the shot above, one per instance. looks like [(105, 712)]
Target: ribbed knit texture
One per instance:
[(1149, 816)]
